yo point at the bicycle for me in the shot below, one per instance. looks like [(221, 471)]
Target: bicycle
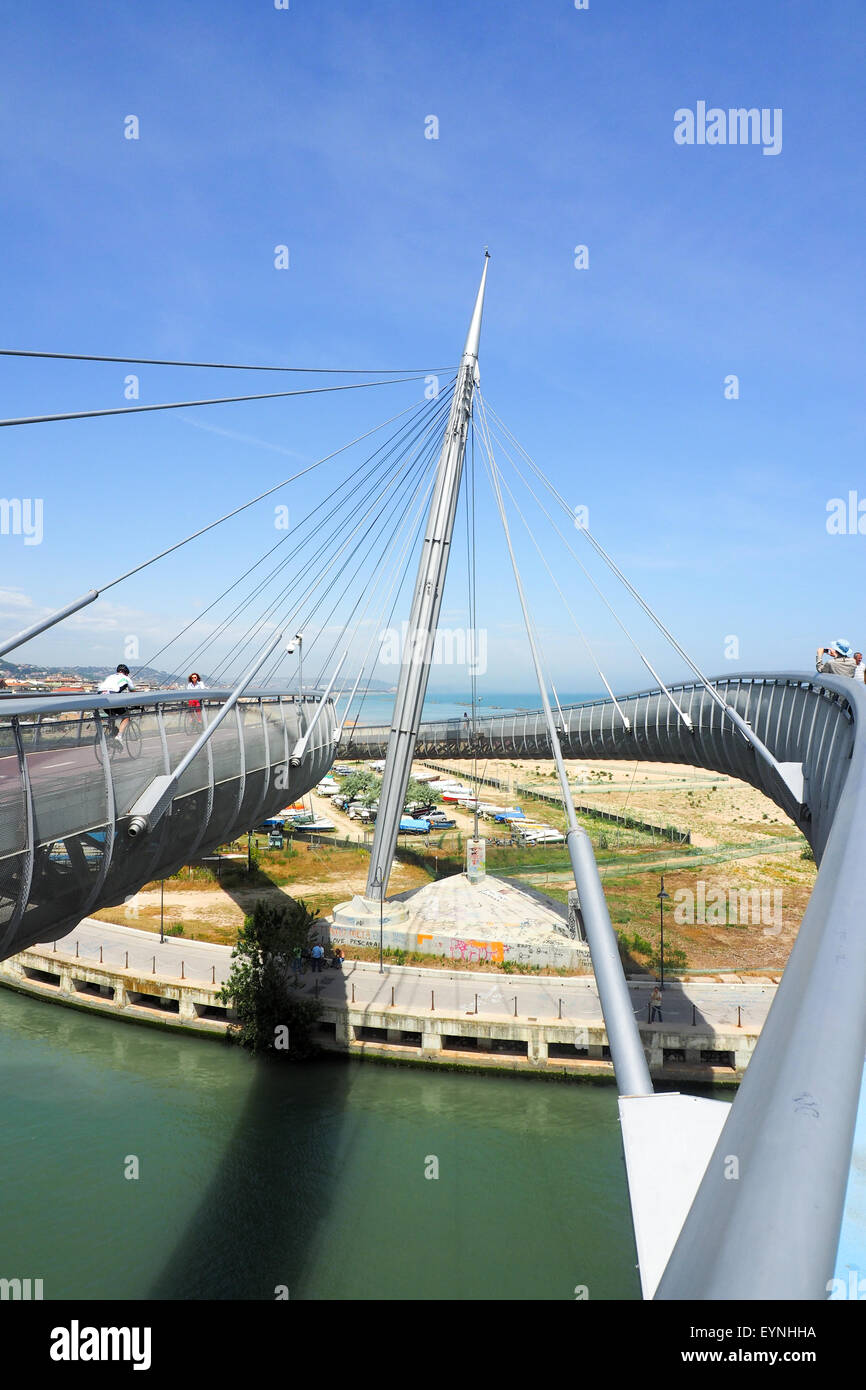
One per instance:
[(131, 745), (191, 721)]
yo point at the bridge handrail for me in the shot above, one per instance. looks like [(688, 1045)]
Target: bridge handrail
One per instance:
[(53, 704), (836, 685)]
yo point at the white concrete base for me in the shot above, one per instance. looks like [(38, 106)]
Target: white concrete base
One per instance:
[(361, 912), (492, 920)]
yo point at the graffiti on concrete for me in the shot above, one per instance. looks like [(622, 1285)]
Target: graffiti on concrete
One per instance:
[(459, 949)]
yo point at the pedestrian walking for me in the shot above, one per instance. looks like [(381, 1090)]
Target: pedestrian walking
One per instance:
[(317, 955), (656, 1006)]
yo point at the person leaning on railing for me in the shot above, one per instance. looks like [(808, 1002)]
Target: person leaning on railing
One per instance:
[(837, 660)]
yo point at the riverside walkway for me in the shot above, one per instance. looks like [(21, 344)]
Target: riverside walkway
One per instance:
[(719, 1007)]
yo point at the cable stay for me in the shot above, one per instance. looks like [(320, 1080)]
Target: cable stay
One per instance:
[(790, 773), (414, 462), (626, 721), (349, 482), (400, 571), (271, 549), (395, 571), (535, 641), (353, 501), (374, 569), (215, 400), (680, 712), (360, 524), (305, 619), (92, 594), (221, 366), (630, 1064)]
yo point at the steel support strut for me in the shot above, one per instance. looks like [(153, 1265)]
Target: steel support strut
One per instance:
[(626, 1048)]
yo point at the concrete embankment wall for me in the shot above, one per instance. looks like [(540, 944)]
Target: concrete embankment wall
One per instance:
[(107, 989), (430, 1037)]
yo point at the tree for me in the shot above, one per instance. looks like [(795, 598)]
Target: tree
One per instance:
[(271, 1019), (420, 791), (361, 786)]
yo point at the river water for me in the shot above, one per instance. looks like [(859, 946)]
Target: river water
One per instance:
[(254, 1176)]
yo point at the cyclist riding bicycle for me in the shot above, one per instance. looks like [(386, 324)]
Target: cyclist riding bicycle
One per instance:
[(116, 685), (193, 683)]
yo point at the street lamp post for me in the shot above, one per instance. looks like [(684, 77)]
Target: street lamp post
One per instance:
[(161, 911), (379, 882), (662, 897)]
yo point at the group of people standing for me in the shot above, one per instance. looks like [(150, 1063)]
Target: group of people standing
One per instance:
[(316, 958), (840, 660)]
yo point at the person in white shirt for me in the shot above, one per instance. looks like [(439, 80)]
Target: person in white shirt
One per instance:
[(116, 685), (859, 668), (195, 705)]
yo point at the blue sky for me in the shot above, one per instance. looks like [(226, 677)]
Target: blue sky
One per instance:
[(261, 127)]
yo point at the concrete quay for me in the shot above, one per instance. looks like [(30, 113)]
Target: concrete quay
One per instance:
[(134, 990), (540, 1024)]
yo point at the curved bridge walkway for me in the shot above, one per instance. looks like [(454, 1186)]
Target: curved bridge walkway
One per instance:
[(65, 794)]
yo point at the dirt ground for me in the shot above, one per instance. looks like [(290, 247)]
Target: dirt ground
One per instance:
[(212, 909), (718, 810)]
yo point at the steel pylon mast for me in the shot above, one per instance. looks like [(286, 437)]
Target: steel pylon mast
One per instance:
[(424, 616)]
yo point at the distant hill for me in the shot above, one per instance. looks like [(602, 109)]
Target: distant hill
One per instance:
[(27, 671), (148, 675)]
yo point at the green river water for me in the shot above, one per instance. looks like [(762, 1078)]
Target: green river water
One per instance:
[(254, 1175)]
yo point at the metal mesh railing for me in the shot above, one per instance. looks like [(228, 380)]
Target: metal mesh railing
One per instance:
[(66, 787)]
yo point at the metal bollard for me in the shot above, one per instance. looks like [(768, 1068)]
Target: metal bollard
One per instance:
[(100, 955), (476, 1003), (353, 991), (693, 1015), (126, 965), (739, 1015), (432, 1000), (213, 974), (76, 950), (560, 1008), (392, 996), (55, 947), (154, 965), (515, 1006), (182, 976)]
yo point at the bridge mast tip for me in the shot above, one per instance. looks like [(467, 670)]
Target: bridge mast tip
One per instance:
[(473, 336)]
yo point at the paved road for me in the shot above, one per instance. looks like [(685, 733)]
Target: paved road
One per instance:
[(454, 991)]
